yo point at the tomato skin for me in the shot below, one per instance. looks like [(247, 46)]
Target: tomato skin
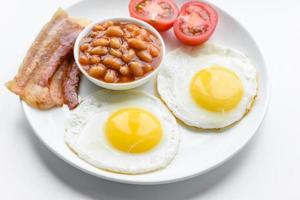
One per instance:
[(158, 24), (196, 40)]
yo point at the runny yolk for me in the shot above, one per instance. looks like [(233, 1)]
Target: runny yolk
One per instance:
[(216, 89), (133, 130)]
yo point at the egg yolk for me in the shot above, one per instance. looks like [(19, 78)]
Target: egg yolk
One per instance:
[(133, 130), (216, 89)]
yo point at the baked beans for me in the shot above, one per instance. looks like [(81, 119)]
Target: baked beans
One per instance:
[(117, 52)]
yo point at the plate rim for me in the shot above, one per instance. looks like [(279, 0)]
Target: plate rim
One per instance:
[(239, 147)]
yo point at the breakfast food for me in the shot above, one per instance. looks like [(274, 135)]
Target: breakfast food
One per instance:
[(195, 23), (40, 79), (118, 52), (132, 132), (161, 14), (126, 132), (209, 86)]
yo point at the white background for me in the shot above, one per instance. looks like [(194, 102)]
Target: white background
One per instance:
[(268, 168)]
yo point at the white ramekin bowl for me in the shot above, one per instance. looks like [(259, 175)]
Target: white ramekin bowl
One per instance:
[(119, 86)]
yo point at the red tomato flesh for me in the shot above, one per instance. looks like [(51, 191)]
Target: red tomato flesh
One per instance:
[(196, 23), (161, 14)]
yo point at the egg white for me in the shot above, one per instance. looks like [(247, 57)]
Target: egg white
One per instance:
[(180, 66), (85, 132)]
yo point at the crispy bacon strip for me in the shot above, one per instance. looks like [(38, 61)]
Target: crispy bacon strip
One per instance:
[(66, 45), (71, 84), (56, 91), (47, 53)]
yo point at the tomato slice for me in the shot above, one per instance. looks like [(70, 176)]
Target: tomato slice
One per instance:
[(161, 14), (196, 23)]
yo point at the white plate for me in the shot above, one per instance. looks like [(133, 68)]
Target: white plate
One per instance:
[(199, 151)]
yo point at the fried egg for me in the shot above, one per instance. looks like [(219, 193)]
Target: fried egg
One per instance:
[(210, 86), (127, 132)]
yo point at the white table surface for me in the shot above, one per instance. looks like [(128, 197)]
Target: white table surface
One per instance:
[(268, 168)]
